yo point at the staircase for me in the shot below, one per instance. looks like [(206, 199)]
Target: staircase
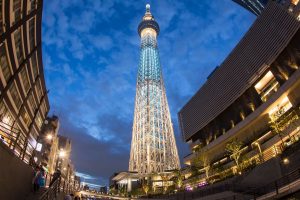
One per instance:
[(36, 195)]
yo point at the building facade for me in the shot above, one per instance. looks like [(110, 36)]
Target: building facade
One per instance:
[(63, 162), (48, 141), (153, 147), (254, 6), (23, 96), (257, 6), (253, 97)]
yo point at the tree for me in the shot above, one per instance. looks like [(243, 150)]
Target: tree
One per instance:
[(146, 185), (164, 178), (178, 178), (202, 160), (279, 122), (146, 188), (234, 148)]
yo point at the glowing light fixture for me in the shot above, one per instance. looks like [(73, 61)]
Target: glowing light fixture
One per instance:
[(62, 153), (49, 137)]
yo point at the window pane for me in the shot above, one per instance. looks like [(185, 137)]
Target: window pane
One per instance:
[(18, 45), (34, 66), (25, 79), (17, 10), (38, 120), (32, 5), (32, 33), (15, 95), (32, 102), (1, 17), (25, 116), (6, 122), (4, 63)]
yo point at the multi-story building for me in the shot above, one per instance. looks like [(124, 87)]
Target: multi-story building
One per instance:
[(257, 6), (23, 95), (253, 97), (63, 162), (48, 141), (254, 6)]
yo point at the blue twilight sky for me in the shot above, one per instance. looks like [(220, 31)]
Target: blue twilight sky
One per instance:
[(91, 54)]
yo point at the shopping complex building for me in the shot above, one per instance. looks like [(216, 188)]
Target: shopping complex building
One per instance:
[(25, 138), (251, 101), (23, 98)]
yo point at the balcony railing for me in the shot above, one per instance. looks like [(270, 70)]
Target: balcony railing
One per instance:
[(16, 141)]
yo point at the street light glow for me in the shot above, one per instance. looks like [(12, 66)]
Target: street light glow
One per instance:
[(62, 153), (49, 137)]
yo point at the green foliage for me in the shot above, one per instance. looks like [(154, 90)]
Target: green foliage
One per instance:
[(279, 122), (146, 188), (122, 190), (234, 148), (202, 161), (137, 192), (178, 179)]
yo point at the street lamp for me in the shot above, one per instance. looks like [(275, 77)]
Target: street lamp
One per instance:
[(62, 153), (286, 161), (256, 143), (49, 137)]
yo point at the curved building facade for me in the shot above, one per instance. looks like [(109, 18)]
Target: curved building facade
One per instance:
[(153, 147), (23, 95), (253, 97)]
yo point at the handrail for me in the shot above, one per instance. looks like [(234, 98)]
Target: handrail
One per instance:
[(274, 186), (12, 137), (52, 192)]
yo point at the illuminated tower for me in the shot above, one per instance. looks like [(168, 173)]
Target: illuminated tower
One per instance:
[(153, 146)]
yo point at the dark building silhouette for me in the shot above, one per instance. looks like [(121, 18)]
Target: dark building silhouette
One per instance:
[(254, 6), (257, 6)]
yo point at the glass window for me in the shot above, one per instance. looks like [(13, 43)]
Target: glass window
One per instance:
[(18, 45), (1, 17), (43, 108), (25, 116), (267, 86), (34, 65), (32, 102), (17, 10), (25, 79), (15, 95), (39, 90), (32, 33), (38, 120), (31, 5), (6, 122), (4, 63)]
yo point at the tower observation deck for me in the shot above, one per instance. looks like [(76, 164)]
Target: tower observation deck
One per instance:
[(153, 146)]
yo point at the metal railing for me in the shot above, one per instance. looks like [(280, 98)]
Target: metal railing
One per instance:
[(274, 188), (16, 141), (278, 186), (53, 191), (60, 185)]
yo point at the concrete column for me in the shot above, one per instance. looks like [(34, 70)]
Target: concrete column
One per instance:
[(129, 187)]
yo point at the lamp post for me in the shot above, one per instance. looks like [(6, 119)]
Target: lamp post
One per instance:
[(49, 137), (61, 154), (259, 149)]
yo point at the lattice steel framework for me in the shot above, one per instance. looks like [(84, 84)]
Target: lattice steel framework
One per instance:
[(153, 146)]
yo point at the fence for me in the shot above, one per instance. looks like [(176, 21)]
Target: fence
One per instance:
[(16, 141), (279, 186)]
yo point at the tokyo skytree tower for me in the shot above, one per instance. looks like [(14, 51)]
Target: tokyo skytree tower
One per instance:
[(153, 146)]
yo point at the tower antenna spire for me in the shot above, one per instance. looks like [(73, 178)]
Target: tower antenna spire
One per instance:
[(147, 8)]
